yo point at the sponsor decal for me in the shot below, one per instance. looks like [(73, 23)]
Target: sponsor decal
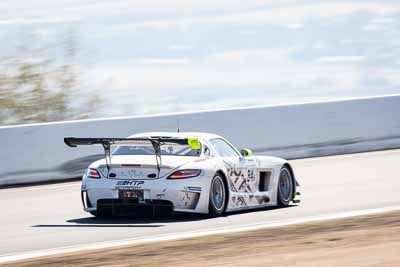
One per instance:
[(239, 201), (129, 184), (189, 200), (194, 143)]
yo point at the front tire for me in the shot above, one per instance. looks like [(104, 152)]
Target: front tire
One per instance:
[(285, 187), (217, 201)]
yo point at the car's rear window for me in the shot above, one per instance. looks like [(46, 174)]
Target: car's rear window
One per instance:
[(166, 150)]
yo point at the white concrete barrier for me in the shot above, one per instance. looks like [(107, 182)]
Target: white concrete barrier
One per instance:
[(34, 153)]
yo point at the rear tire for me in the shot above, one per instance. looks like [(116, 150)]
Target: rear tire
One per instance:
[(217, 201), (285, 187), (94, 213)]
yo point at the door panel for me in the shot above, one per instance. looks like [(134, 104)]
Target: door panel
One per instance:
[(244, 180), (242, 174)]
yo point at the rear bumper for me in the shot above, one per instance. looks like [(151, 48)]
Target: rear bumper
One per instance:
[(122, 207), (186, 195), (108, 202)]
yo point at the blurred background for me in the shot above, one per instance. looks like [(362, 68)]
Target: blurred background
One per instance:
[(76, 59)]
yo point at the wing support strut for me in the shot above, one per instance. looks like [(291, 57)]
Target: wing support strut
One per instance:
[(156, 142), (107, 154), (157, 151)]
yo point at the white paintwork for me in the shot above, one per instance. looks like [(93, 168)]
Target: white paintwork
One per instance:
[(242, 177)]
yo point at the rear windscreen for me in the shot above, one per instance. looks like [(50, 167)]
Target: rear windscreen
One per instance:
[(166, 150)]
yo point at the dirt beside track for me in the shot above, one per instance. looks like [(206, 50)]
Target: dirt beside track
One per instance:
[(359, 241)]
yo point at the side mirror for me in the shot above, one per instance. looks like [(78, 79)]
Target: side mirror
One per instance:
[(207, 151), (246, 152)]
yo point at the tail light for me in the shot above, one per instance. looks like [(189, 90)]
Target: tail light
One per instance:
[(93, 173), (182, 174)]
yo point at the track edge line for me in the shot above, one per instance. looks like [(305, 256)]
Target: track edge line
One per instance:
[(169, 237)]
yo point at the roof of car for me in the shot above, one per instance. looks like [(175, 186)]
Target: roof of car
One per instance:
[(180, 134)]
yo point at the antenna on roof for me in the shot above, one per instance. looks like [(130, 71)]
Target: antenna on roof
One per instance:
[(177, 115), (177, 125)]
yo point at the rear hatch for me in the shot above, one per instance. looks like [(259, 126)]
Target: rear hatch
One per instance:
[(144, 157), (140, 166)]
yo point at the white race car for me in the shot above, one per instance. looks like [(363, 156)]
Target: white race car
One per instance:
[(194, 172)]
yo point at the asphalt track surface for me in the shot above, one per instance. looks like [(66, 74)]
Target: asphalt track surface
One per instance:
[(51, 216)]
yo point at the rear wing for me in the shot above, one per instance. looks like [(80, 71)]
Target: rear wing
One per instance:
[(74, 141), (156, 142)]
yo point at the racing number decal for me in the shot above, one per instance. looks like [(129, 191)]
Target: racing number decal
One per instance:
[(251, 179), (250, 174)]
